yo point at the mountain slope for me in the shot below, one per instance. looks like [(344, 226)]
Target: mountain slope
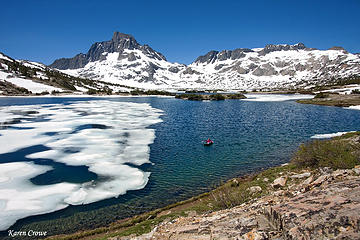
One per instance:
[(276, 66), (21, 77), (122, 60)]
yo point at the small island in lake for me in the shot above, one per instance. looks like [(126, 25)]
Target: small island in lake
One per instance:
[(216, 97)]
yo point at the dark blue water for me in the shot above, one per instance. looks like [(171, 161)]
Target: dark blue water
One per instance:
[(248, 136)]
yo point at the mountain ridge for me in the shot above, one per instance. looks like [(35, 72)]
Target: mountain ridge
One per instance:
[(121, 63), (123, 60)]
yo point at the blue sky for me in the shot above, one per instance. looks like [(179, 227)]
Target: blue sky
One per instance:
[(43, 31)]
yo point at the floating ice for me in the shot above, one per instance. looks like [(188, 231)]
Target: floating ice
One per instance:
[(105, 135), (19, 198), (275, 97), (329, 135)]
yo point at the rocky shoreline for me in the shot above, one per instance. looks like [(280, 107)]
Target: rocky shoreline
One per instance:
[(315, 196), (323, 204)]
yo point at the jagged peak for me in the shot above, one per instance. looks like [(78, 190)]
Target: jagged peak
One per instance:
[(126, 40), (208, 58), (118, 43), (119, 35), (281, 47), (213, 55)]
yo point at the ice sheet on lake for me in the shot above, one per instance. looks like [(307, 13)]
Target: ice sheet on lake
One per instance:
[(329, 135), (19, 198), (105, 134), (275, 97)]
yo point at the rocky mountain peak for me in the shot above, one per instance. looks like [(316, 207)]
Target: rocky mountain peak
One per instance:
[(97, 52), (118, 43), (207, 58), (212, 56), (117, 36), (280, 47), (124, 41)]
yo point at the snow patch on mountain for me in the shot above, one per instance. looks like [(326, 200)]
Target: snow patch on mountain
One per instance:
[(119, 68), (272, 67), (30, 85)]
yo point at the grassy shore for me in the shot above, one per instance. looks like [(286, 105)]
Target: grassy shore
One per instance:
[(332, 99), (337, 153)]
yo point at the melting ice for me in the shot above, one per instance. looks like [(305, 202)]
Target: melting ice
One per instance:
[(106, 136)]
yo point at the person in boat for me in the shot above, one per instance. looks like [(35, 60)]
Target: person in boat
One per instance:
[(208, 140)]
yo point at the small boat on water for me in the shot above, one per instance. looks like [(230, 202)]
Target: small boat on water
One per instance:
[(208, 142)]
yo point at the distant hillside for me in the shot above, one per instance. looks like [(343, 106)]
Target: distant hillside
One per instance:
[(21, 77)]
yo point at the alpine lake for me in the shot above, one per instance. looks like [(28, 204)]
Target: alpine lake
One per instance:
[(167, 159)]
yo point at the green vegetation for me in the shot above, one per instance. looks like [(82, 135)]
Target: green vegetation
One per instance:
[(194, 91), (42, 93), (195, 97), (332, 99), (8, 88), (339, 152), (349, 80), (232, 193), (150, 92), (57, 79), (335, 153), (322, 95), (216, 97), (235, 96), (335, 83), (355, 91), (104, 91)]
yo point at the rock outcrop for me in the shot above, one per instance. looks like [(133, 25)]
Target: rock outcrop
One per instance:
[(325, 208)]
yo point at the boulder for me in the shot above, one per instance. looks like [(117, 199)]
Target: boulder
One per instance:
[(302, 175), (255, 189), (308, 180), (279, 182), (320, 180), (356, 169)]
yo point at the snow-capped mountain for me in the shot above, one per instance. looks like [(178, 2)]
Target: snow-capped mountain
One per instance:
[(22, 77), (122, 60), (275, 66)]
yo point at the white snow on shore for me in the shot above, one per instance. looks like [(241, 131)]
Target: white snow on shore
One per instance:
[(106, 135), (354, 107), (254, 97), (346, 90), (329, 135)]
